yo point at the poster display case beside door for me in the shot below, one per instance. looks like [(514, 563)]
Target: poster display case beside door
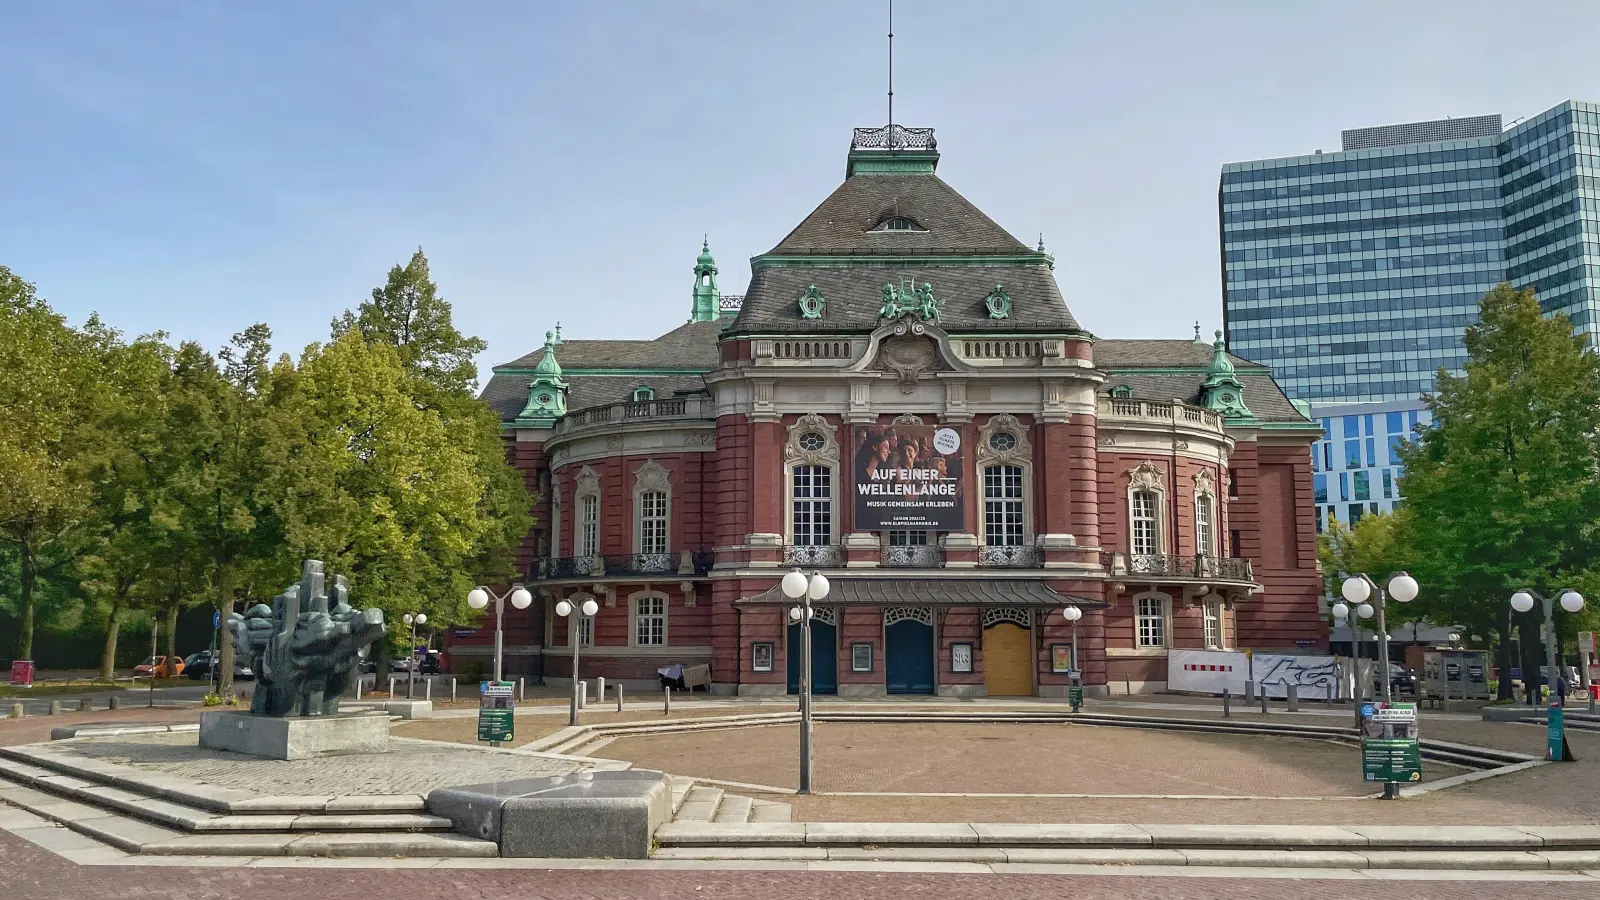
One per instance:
[(861, 657), (961, 658), (761, 656), (1061, 661)]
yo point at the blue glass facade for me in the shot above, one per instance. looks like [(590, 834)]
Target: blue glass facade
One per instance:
[(1356, 466)]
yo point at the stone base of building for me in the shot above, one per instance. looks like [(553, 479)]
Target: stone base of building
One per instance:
[(863, 690), (1136, 687), (963, 691), (761, 690), (294, 737)]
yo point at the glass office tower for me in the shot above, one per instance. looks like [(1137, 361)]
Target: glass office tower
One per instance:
[(1354, 274)]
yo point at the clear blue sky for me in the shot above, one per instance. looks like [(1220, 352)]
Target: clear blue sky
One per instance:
[(198, 166)]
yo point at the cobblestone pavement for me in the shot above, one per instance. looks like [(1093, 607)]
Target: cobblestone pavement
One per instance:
[(464, 730), (983, 758), (408, 768), (30, 873)]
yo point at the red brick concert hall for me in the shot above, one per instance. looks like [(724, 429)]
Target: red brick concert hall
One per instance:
[(903, 401)]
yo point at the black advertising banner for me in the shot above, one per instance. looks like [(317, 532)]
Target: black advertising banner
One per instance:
[(908, 477)]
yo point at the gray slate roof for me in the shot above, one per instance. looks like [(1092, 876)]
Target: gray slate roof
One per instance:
[(842, 223), (853, 296), (690, 346), (507, 394), (1261, 392)]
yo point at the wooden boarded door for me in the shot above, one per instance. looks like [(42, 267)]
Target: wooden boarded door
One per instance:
[(1008, 659)]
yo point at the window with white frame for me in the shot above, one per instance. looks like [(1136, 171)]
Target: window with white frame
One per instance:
[(1152, 621), (588, 525), (1144, 533), (908, 538), (1204, 527), (813, 506), (1002, 504), (653, 522), (650, 621), (1213, 625)]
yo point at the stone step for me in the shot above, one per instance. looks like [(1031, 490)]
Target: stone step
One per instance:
[(680, 790), (769, 811), (733, 809), (184, 817), (700, 805)]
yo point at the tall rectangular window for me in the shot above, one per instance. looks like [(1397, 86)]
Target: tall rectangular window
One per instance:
[(813, 506), (585, 630), (1233, 483), (650, 621), (1002, 506), (1213, 626), (1363, 492), (1344, 486), (1203, 525), (1395, 422), (1319, 488), (1144, 532), (908, 539), (1352, 427), (1355, 512), (589, 525), (1367, 421), (1388, 485), (1152, 622), (1327, 455), (1372, 456), (1352, 454), (653, 522)]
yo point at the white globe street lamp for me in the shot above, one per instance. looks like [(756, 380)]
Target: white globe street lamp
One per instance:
[(1571, 602), (412, 619), (1073, 614), (479, 597), (1357, 589), (796, 586), (1403, 587), (587, 610), (1365, 610), (1522, 601)]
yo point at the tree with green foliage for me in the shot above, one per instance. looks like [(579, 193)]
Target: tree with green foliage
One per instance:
[(1503, 488), (408, 314), (47, 397)]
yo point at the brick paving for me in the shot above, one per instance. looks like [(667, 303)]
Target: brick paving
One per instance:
[(30, 873), (988, 758), (408, 768), (464, 730)]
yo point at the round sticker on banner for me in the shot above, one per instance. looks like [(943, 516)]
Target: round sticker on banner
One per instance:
[(1367, 709), (946, 441)]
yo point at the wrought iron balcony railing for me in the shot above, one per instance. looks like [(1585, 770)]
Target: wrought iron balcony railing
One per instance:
[(624, 565), (1174, 565), (831, 555), (1008, 557), (921, 556)]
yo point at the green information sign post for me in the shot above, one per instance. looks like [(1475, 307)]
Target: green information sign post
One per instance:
[(497, 712), (1389, 749), (1556, 749)]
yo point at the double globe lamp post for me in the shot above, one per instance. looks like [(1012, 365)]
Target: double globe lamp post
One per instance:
[(1361, 591), (412, 619), (1571, 601), (479, 597), (575, 628), (796, 586)]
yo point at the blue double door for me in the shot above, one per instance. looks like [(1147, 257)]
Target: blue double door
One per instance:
[(824, 658), (908, 657)]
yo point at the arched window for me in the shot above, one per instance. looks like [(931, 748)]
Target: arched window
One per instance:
[(898, 223), (813, 505), (643, 393), (1145, 534), (652, 505)]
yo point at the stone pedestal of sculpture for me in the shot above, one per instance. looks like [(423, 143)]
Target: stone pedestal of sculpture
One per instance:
[(294, 737)]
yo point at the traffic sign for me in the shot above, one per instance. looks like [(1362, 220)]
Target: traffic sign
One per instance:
[(216, 619)]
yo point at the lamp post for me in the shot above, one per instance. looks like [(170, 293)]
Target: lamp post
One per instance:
[(479, 597), (1571, 601), (412, 619), (1341, 612), (575, 628), (1402, 587), (796, 586)]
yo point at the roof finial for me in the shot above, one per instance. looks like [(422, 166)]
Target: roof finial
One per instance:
[(1041, 242), (891, 74), (1197, 331), (559, 341)]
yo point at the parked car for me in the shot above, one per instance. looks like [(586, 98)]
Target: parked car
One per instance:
[(199, 668), (158, 666), (1402, 681), (426, 665)]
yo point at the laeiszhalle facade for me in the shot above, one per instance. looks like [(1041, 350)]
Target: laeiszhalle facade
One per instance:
[(904, 402)]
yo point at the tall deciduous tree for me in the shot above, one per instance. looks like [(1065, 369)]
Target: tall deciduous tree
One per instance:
[(46, 400), (408, 314), (1504, 486)]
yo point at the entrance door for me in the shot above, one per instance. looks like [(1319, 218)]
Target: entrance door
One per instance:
[(1008, 660), (824, 655), (908, 650)]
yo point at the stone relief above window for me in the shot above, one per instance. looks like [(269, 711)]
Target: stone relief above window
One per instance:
[(811, 442), (812, 303), (1004, 440)]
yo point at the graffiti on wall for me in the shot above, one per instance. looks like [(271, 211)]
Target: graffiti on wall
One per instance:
[(1314, 677)]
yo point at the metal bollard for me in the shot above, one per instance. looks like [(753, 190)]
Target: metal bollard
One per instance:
[(521, 683), (391, 687), (84, 705), (452, 689), (114, 702), (1294, 698), (666, 706), (1227, 713), (1263, 701), (17, 711), (1249, 692), (619, 698), (600, 691), (55, 707), (427, 689), (583, 695)]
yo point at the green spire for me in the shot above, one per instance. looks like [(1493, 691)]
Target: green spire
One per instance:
[(705, 286), (547, 390), (1222, 391)]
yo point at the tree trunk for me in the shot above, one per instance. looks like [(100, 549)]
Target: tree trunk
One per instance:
[(172, 638), (1502, 661), (108, 655), (25, 638), (224, 663), (1532, 658)]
